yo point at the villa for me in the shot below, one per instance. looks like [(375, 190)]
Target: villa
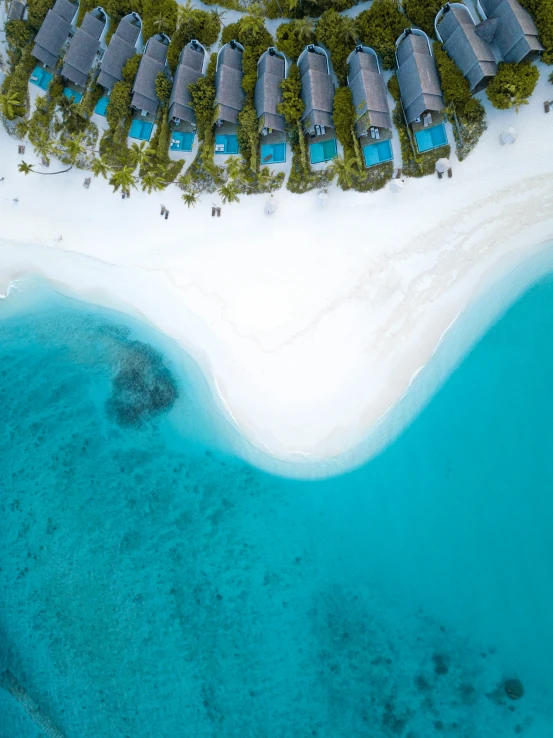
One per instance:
[(125, 43), (54, 32), (373, 125), (229, 96), (317, 92), (17, 10), (272, 70), (459, 34), (154, 60), (510, 29), (181, 112), (85, 46), (419, 86)]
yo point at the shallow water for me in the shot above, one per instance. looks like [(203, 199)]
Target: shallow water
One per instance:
[(153, 586)]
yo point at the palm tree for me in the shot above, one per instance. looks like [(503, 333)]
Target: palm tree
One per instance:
[(44, 147), (190, 199), (141, 153), (123, 178), (229, 193), (8, 104), (161, 23), (233, 165), (303, 29), (264, 176), (153, 180), (253, 23), (99, 168), (28, 168), (345, 170), (219, 14), (348, 30), (25, 168), (74, 147), (183, 14)]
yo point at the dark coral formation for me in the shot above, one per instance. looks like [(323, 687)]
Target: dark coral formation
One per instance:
[(143, 386), (514, 688)]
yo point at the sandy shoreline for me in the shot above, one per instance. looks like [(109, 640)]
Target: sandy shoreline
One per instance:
[(311, 322)]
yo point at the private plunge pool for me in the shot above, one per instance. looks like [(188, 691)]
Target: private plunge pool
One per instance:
[(377, 153), (320, 152), (273, 153), (431, 138)]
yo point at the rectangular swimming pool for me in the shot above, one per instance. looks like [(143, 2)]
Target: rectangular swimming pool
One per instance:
[(325, 151), (41, 78), (431, 138), (226, 144), (273, 153), (182, 141), (141, 129), (101, 106), (377, 153), (75, 97)]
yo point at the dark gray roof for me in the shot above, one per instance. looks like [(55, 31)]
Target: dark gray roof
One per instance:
[(82, 50), (66, 9), (418, 79), (189, 70), (54, 32), (229, 95), (268, 92), (516, 35), (121, 48), (473, 55), (17, 10), (317, 91), (369, 92), (152, 63)]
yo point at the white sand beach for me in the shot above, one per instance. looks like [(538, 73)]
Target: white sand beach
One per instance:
[(310, 322)]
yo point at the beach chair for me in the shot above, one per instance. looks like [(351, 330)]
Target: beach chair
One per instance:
[(546, 106), (450, 172)]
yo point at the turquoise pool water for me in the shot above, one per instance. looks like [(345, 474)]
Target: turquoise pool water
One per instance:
[(226, 144), (320, 152), (41, 78), (76, 97), (182, 141), (377, 153), (102, 106), (273, 153), (153, 586), (431, 138), (141, 129)]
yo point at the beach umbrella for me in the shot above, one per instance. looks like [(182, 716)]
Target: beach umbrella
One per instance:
[(508, 136), (442, 165), (396, 185), (269, 208)]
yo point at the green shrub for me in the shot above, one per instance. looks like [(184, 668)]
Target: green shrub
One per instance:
[(512, 85), (202, 95), (542, 11), (293, 37), (339, 35), (84, 7), (37, 12), (422, 13), (163, 87), (380, 26), (18, 33), (159, 16), (343, 114), (130, 69), (202, 25), (292, 105), (89, 101), (16, 84)]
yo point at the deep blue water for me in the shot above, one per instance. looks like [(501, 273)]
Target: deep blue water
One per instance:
[(153, 586)]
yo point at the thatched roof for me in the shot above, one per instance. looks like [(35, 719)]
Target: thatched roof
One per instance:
[(17, 10), (369, 92), (54, 32), (418, 79), (121, 48), (82, 49), (189, 71), (317, 90), (472, 54), (268, 92), (229, 97), (516, 35), (152, 63)]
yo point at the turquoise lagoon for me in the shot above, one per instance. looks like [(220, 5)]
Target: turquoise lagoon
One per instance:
[(153, 585)]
